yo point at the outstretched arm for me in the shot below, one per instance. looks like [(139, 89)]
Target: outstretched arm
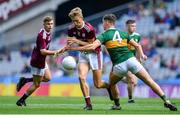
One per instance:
[(87, 47), (48, 52), (71, 40)]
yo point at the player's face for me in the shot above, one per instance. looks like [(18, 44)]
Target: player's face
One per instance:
[(105, 24), (77, 21), (48, 25), (131, 27)]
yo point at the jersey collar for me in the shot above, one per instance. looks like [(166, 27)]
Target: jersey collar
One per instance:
[(82, 26), (111, 28)]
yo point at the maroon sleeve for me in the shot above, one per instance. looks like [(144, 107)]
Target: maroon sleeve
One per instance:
[(70, 33), (41, 42)]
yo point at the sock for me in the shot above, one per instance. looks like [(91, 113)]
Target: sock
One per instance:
[(116, 101), (29, 80), (130, 97), (88, 100), (164, 98), (24, 97)]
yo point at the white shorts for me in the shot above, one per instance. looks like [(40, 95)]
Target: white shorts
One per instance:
[(131, 64), (94, 60), (37, 71)]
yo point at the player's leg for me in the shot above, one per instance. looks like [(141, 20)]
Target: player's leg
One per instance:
[(30, 90), (47, 74), (22, 81), (143, 75), (113, 79), (131, 83), (83, 69), (95, 62), (136, 68)]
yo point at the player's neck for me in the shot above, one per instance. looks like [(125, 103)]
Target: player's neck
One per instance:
[(83, 23), (111, 27), (130, 33), (47, 31)]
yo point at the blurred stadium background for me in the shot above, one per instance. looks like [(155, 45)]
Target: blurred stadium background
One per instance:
[(158, 22)]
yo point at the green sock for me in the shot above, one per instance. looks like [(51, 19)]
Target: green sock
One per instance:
[(164, 98), (116, 101)]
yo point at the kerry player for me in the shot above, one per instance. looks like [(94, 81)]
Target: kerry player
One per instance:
[(123, 59), (131, 79)]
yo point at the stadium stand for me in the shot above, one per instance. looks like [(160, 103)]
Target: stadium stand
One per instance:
[(158, 22)]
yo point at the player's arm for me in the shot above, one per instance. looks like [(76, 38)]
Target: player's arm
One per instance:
[(87, 47), (140, 53), (48, 52), (71, 40), (42, 44)]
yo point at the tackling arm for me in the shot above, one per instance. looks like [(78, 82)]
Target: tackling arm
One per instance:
[(87, 47), (71, 40)]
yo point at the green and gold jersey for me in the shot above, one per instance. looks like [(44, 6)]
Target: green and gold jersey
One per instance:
[(136, 37), (116, 43)]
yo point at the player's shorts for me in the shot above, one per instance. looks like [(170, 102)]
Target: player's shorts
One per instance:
[(131, 64), (37, 71), (95, 60)]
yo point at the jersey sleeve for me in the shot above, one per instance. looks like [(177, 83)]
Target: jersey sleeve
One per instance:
[(41, 42), (101, 38), (70, 33)]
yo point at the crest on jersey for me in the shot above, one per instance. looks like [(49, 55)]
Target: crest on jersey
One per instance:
[(78, 33), (83, 35)]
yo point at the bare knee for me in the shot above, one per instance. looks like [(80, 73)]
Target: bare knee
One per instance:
[(97, 85), (82, 79), (46, 79), (133, 83), (37, 85)]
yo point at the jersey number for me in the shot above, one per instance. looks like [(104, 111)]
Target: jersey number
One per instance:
[(117, 37)]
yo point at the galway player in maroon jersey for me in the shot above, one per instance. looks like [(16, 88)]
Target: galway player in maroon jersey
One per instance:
[(83, 33), (40, 70)]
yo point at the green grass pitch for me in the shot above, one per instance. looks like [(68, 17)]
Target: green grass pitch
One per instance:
[(74, 105)]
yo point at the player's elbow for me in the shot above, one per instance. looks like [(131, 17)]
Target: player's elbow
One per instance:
[(137, 46), (43, 52)]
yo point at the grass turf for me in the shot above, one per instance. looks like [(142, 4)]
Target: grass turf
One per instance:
[(74, 105)]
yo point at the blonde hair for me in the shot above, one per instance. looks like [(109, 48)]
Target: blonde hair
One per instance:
[(75, 12), (47, 19)]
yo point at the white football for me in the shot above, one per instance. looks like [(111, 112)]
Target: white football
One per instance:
[(69, 63)]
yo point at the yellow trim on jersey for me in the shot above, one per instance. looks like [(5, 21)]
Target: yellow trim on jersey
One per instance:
[(130, 47), (116, 43)]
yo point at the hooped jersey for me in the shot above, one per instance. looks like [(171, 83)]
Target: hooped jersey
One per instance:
[(116, 43)]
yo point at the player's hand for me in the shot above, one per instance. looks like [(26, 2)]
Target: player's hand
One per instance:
[(144, 57), (68, 47), (71, 40), (141, 58), (56, 53), (60, 51)]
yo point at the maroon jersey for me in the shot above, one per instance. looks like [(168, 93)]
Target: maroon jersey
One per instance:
[(83, 34), (42, 42)]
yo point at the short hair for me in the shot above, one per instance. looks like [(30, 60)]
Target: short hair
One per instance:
[(110, 17), (47, 19), (75, 12), (130, 21)]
